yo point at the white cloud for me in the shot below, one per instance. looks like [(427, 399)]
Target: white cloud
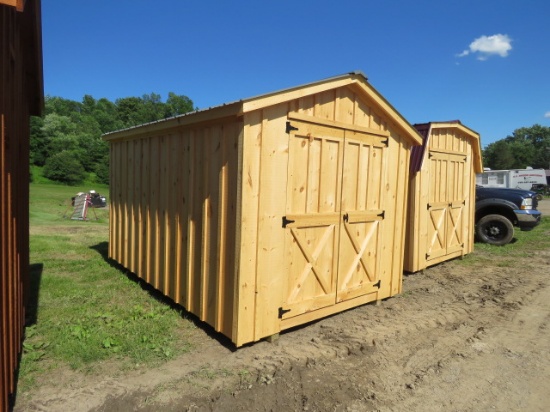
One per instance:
[(486, 46), (547, 115)]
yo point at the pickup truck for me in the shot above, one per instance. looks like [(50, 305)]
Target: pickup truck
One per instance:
[(498, 210)]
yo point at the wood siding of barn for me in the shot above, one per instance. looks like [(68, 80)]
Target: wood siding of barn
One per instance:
[(173, 215), (442, 198), (19, 53)]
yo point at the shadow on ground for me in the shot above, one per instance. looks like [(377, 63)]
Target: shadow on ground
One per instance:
[(103, 249)]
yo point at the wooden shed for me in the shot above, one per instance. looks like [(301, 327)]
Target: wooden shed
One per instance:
[(442, 194), (269, 212)]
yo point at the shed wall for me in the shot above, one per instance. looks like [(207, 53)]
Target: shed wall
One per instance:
[(442, 200), (173, 215)]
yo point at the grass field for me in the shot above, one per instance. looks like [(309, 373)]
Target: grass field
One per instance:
[(85, 309)]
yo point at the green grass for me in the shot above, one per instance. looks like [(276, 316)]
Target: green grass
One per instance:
[(524, 244), (39, 179), (85, 311)]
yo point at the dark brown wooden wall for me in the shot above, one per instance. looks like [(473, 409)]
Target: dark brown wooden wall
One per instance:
[(21, 95)]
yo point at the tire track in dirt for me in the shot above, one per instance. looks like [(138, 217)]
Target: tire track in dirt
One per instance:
[(505, 367)]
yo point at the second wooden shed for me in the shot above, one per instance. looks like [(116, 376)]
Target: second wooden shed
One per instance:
[(269, 212), (442, 194)]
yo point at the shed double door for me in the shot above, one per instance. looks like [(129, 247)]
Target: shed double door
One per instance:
[(446, 204), (333, 216)]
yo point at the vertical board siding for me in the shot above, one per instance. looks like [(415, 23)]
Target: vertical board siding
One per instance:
[(19, 30), (248, 192), (270, 247), (171, 212), (442, 200)]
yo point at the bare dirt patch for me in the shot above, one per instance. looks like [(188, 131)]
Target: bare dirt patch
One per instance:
[(466, 335), (544, 207)]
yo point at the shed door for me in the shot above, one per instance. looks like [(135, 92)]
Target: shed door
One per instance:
[(333, 217), (446, 204), (312, 220), (363, 214)]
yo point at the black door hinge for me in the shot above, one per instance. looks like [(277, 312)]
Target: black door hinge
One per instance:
[(282, 312), (290, 128), (377, 284), (287, 221)]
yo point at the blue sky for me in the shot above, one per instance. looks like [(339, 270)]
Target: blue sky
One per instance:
[(486, 63)]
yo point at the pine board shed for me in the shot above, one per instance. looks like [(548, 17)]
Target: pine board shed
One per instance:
[(269, 212), (442, 194)]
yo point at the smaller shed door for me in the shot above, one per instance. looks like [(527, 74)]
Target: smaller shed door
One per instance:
[(313, 217), (363, 215), (446, 204)]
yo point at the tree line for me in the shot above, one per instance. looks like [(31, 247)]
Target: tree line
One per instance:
[(66, 141), (527, 146)]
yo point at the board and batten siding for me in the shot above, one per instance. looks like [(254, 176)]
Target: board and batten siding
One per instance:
[(442, 195), (270, 212), (173, 215)]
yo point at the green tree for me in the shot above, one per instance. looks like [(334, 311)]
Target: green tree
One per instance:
[(128, 111), (178, 104), (58, 124), (64, 167), (523, 153), (60, 106), (106, 116), (527, 146), (102, 170), (152, 108), (498, 155), (77, 127), (38, 142)]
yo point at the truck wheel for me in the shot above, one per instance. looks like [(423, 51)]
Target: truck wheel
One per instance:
[(539, 197), (495, 230)]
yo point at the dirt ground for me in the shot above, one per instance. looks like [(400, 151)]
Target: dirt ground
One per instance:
[(461, 337)]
